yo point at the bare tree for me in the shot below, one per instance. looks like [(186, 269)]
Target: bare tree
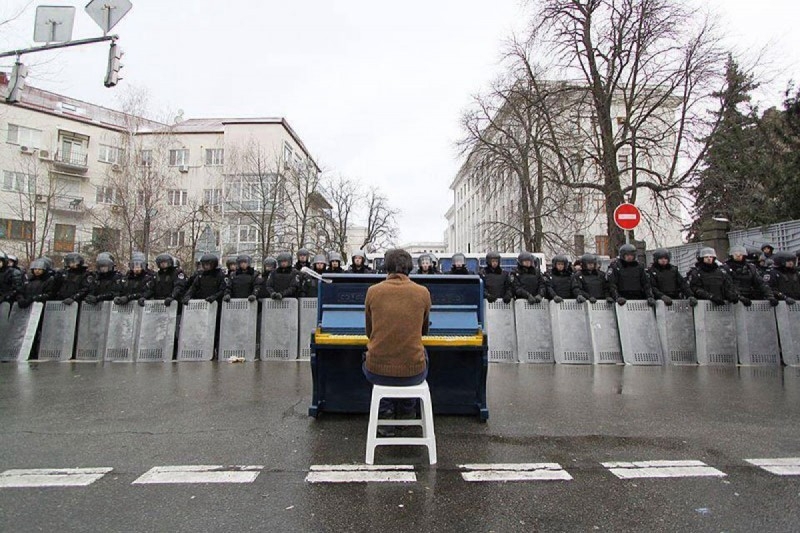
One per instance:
[(381, 221), (344, 196), (649, 69), (304, 203)]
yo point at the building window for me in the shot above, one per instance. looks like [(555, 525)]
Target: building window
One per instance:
[(64, 240), (215, 157), (24, 136), (622, 159), (577, 203), (19, 182), (146, 158), (179, 158), (212, 196), (110, 154), (177, 197), (601, 245), (16, 229), (105, 195), (287, 154), (73, 148), (248, 234), (176, 238), (600, 204)]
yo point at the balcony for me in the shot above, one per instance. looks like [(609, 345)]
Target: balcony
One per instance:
[(247, 206), (68, 204), (73, 160)]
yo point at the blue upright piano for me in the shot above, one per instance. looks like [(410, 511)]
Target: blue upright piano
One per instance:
[(456, 345)]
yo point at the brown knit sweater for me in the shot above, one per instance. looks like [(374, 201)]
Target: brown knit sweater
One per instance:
[(397, 313)]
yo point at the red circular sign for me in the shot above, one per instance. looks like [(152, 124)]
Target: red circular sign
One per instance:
[(627, 216)]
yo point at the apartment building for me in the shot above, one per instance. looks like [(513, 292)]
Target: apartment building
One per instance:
[(81, 177)]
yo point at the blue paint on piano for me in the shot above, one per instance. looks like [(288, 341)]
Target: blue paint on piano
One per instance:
[(456, 345)]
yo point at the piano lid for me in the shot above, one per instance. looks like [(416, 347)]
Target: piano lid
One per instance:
[(457, 303)]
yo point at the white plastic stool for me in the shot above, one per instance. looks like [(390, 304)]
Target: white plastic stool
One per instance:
[(423, 393)]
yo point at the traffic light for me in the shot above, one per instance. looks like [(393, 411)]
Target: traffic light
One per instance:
[(17, 82), (114, 65)]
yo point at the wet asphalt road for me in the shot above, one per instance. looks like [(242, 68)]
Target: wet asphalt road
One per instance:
[(135, 417)]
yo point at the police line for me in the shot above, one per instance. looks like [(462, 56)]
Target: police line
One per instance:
[(583, 333), (566, 333)]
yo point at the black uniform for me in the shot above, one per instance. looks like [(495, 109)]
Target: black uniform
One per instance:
[(243, 283), (363, 269), (209, 285), (559, 283), (496, 284), (281, 281), (462, 270), (749, 283), (667, 281), (784, 282), (10, 283), (528, 283), (104, 286), (170, 283), (709, 282), (37, 289), (628, 280), (590, 284), (135, 286), (73, 283)]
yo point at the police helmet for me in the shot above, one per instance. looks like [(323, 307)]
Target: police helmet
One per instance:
[(753, 254), (105, 262), (211, 260), (137, 259), (587, 259), (73, 258), (3, 258), (768, 245), (361, 254), (270, 262), (13, 259), (424, 257), (320, 258), (303, 251), (284, 256), (165, 258), (335, 256), (39, 264), (48, 262), (661, 253), (560, 258), (244, 258), (492, 255), (230, 260), (459, 257), (737, 250), (707, 252), (781, 258), (434, 259), (627, 249)]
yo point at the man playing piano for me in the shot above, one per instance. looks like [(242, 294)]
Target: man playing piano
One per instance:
[(397, 314)]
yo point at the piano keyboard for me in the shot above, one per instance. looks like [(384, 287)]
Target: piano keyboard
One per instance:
[(427, 340)]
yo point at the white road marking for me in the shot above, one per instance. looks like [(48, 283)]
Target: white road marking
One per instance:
[(780, 466), (661, 469), (199, 474), (51, 477), (515, 472), (361, 474)]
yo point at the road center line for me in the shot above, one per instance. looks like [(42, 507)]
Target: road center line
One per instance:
[(780, 466), (662, 469), (361, 474), (199, 474), (51, 477), (515, 472)]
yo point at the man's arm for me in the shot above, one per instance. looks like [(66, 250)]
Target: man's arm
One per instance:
[(368, 315), (426, 318)]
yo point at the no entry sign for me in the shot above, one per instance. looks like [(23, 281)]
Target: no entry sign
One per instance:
[(627, 216)]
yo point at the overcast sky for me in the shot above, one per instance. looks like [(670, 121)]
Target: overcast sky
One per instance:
[(374, 89)]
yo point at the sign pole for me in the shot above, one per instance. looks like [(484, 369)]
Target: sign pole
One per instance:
[(627, 237)]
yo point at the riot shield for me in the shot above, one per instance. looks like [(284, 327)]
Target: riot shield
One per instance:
[(18, 330), (58, 331), (715, 332), (279, 329), (123, 332), (638, 334), (197, 333), (757, 334), (501, 331), (676, 332), (93, 331), (572, 342), (308, 325), (534, 332), (237, 329), (157, 331), (604, 333)]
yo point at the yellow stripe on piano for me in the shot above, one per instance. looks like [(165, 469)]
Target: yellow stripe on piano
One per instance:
[(428, 340)]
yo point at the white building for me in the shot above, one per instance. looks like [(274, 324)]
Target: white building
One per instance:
[(424, 247), (81, 177), (479, 220)]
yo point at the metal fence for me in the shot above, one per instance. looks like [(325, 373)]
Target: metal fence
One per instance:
[(784, 236)]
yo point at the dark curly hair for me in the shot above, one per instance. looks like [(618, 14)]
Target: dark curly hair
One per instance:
[(397, 261)]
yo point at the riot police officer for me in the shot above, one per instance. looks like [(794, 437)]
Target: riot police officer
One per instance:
[(308, 284), (496, 281), (39, 286), (559, 279), (72, 283), (425, 265), (270, 264), (335, 263), (358, 263), (303, 259), (749, 283), (10, 280), (137, 281), (283, 282), (709, 282), (627, 279), (459, 265), (106, 282), (245, 281), (590, 283), (169, 281), (783, 278), (527, 280), (666, 281), (210, 284), (230, 266), (768, 250)]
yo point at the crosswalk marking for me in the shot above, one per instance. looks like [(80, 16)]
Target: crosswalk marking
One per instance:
[(199, 474), (661, 469), (361, 474), (51, 477), (780, 466), (515, 472)]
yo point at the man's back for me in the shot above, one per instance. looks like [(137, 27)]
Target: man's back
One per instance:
[(397, 314)]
